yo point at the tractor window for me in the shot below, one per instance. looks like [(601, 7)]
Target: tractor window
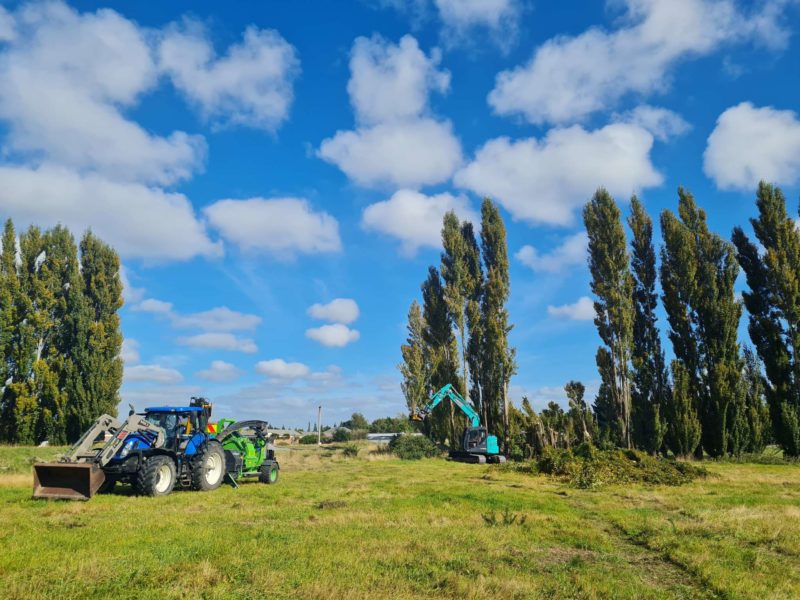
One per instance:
[(167, 421)]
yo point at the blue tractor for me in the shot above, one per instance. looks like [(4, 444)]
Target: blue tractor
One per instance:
[(164, 447), (477, 446)]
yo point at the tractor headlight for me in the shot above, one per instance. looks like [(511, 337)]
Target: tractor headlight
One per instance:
[(126, 449)]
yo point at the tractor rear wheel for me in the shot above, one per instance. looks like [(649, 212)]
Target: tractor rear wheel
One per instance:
[(208, 467), (156, 477), (268, 473)]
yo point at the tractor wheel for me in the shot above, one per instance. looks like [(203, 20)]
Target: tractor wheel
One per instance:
[(156, 477), (269, 473), (107, 487), (208, 467)]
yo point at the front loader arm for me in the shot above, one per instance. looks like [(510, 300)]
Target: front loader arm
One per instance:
[(448, 391)]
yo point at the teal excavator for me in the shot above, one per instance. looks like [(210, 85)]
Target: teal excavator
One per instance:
[(477, 446)]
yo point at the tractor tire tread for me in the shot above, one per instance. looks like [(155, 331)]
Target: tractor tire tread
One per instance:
[(146, 478)]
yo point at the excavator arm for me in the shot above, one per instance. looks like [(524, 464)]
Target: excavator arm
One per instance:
[(450, 392)]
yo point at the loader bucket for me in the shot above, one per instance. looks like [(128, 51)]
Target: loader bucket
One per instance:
[(70, 481)]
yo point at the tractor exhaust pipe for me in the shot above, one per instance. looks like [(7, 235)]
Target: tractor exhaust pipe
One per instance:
[(68, 481)]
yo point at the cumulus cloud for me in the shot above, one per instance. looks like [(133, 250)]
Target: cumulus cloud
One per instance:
[(569, 78), (390, 82), (280, 226), (333, 336), (582, 310), (220, 372), (280, 369), (83, 161), (139, 221), (571, 252), (152, 305), (219, 341), (95, 64), (154, 373), (396, 141), (461, 17), (250, 85), (661, 122), (750, 143), (407, 153), (339, 310), (415, 219), (545, 181)]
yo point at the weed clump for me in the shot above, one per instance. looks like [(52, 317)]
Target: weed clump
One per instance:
[(587, 467), (413, 447), (310, 438), (350, 450)]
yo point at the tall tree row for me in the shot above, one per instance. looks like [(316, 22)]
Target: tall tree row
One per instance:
[(59, 334), (460, 335)]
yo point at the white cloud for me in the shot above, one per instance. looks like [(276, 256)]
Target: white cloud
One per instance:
[(401, 153), (281, 226), (152, 373), (139, 221), (130, 351), (220, 372), (95, 64), (333, 336), (219, 341), (251, 85), (570, 253), (130, 293), (396, 141), (749, 144), (582, 310), (280, 369), (7, 26), (661, 122), (221, 318), (339, 310), (391, 82), (152, 305), (569, 78), (416, 219), (544, 181), (461, 17)]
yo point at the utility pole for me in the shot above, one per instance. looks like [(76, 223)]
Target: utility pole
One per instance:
[(319, 426)]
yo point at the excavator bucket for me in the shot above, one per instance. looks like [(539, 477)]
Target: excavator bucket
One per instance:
[(69, 481)]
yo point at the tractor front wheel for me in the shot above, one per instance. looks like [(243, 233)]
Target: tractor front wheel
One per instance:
[(208, 467), (268, 473), (156, 477)]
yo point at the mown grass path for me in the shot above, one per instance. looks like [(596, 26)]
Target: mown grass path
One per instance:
[(358, 528)]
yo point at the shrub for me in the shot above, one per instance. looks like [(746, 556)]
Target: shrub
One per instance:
[(413, 447), (350, 450), (309, 438), (341, 435)]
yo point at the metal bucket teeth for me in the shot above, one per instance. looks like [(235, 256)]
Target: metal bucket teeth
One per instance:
[(69, 481)]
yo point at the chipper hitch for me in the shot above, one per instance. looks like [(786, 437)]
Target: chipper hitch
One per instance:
[(69, 481)]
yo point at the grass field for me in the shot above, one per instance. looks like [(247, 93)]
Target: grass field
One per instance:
[(376, 527)]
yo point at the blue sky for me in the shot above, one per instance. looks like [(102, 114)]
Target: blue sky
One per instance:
[(274, 174)]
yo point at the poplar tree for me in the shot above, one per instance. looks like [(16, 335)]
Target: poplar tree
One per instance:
[(473, 294), (773, 304), (498, 360), (94, 366), (612, 286), (456, 286), (442, 353), (650, 382), (757, 412), (413, 368), (698, 272), (683, 430)]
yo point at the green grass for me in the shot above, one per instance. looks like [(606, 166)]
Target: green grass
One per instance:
[(373, 527)]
